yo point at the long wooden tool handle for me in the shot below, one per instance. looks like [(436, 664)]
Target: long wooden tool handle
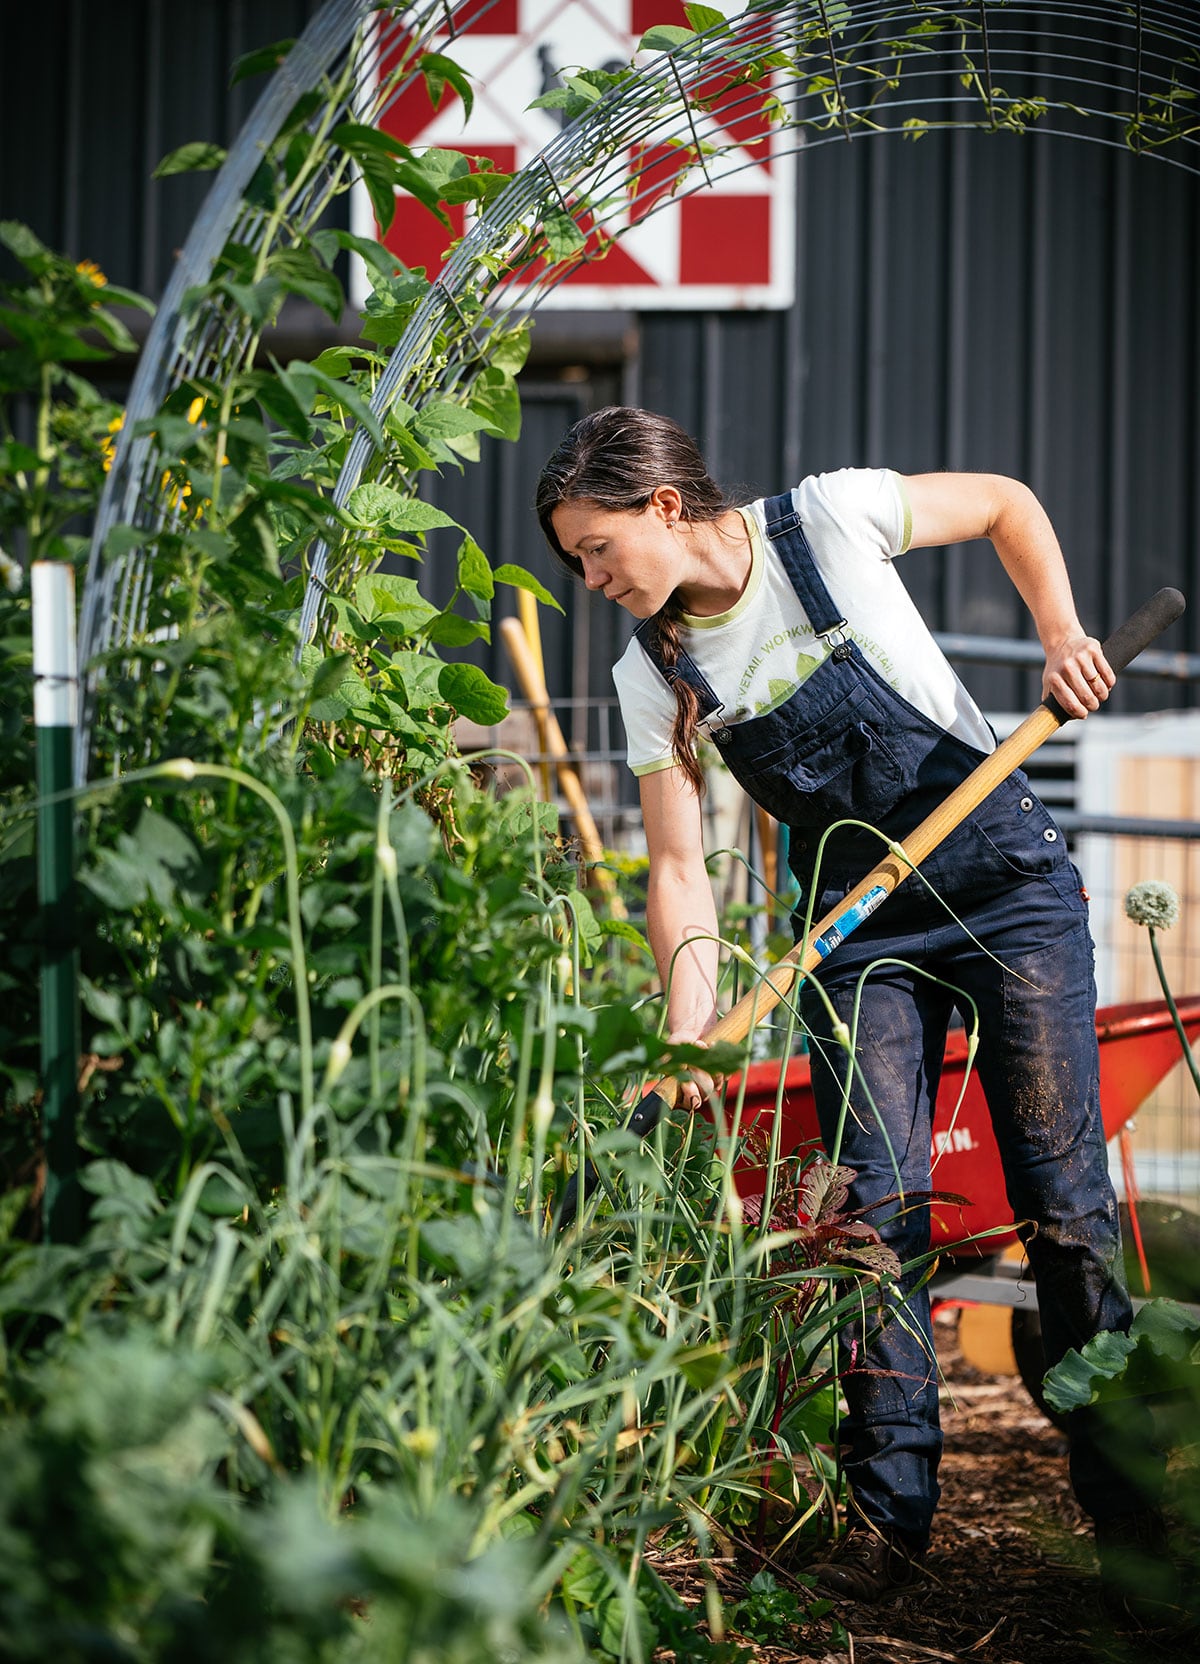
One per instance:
[(533, 686), (1121, 647)]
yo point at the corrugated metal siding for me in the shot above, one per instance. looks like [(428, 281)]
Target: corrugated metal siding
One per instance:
[(94, 96), (978, 301)]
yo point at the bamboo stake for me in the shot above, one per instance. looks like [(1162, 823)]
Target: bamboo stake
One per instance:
[(533, 686), (528, 614)]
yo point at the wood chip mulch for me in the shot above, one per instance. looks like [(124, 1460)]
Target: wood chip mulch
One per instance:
[(1010, 1576)]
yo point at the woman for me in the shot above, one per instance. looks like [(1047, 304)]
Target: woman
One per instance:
[(781, 631)]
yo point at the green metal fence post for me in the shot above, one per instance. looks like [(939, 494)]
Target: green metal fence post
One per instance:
[(55, 715)]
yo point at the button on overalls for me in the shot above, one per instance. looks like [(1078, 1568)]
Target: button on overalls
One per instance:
[(996, 925)]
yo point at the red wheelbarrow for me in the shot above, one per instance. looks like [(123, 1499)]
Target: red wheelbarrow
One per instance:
[(1138, 1047)]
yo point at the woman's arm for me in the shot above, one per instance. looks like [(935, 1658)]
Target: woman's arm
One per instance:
[(954, 508), (680, 909)]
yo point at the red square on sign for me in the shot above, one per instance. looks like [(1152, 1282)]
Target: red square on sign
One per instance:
[(498, 18), (644, 14), (725, 239), (417, 238)]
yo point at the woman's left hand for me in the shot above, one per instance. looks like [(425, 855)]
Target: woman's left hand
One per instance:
[(1078, 675)]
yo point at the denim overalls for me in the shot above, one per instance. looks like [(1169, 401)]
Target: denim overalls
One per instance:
[(846, 745)]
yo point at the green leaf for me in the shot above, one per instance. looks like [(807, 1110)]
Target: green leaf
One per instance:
[(197, 157), (627, 933), (329, 674), (304, 380), (301, 273), (16, 458), (20, 240), (416, 674), (438, 71), (665, 37), (426, 177), (378, 156), (615, 1625), (563, 237), (584, 89), (161, 842), (373, 254), (1076, 1381), (518, 578), (351, 695), (475, 187), (335, 361), (473, 694), (279, 403), (259, 62), (495, 397), (702, 1366), (440, 419), (508, 351), (474, 572), (257, 300), (350, 621), (450, 629), (383, 598), (382, 505), (704, 17)]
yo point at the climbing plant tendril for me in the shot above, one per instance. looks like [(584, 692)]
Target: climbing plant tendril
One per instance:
[(797, 75)]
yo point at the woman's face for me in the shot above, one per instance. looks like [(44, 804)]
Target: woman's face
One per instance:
[(632, 556)]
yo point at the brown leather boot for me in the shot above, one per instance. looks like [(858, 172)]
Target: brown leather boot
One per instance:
[(868, 1564)]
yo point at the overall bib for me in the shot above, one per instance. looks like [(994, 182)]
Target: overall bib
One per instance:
[(845, 745)]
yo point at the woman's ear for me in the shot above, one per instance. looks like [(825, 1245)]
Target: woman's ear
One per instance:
[(668, 502)]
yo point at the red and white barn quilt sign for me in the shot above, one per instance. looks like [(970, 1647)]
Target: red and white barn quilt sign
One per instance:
[(723, 246)]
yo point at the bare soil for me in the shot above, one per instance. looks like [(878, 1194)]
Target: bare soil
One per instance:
[(1011, 1573)]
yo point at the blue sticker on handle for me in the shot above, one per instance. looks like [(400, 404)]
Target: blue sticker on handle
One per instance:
[(848, 921)]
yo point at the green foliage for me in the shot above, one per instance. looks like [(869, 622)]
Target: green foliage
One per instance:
[(120, 1540), (1160, 1354), (59, 315)]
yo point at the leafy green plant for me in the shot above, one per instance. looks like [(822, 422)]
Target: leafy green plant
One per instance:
[(772, 1613), (1114, 1378)]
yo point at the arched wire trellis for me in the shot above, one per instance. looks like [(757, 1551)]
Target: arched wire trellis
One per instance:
[(1125, 76)]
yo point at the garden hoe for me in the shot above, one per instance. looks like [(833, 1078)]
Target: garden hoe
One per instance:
[(1121, 648)]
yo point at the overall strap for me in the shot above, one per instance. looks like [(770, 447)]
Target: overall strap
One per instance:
[(787, 534), (685, 668)]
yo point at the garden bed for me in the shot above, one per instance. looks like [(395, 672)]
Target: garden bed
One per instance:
[(1011, 1571)]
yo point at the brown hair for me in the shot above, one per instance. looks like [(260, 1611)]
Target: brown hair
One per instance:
[(617, 458)]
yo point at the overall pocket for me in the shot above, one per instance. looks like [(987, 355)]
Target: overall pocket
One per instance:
[(842, 767), (1005, 843)]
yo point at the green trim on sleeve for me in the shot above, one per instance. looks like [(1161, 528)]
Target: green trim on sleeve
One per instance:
[(655, 767), (906, 539)]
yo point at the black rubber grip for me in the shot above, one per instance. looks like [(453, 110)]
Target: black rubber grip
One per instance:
[(1149, 621), (1130, 638)]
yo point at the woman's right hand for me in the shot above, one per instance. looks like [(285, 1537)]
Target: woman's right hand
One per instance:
[(697, 1086)]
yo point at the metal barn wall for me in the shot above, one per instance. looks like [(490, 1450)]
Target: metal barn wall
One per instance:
[(978, 301), (981, 301), (93, 96)]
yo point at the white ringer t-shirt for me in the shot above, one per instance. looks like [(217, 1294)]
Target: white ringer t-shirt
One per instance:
[(755, 655)]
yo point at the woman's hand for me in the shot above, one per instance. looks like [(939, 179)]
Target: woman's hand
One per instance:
[(697, 1086), (1077, 675)]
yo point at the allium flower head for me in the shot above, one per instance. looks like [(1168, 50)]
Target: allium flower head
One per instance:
[(1153, 904), (11, 575)]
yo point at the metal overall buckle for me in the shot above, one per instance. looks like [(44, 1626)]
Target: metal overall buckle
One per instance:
[(836, 640)]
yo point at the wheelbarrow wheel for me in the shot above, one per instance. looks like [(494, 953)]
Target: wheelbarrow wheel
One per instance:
[(1171, 1239), (1031, 1360)]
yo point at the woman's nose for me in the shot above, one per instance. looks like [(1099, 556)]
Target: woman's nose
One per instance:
[(594, 574)]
